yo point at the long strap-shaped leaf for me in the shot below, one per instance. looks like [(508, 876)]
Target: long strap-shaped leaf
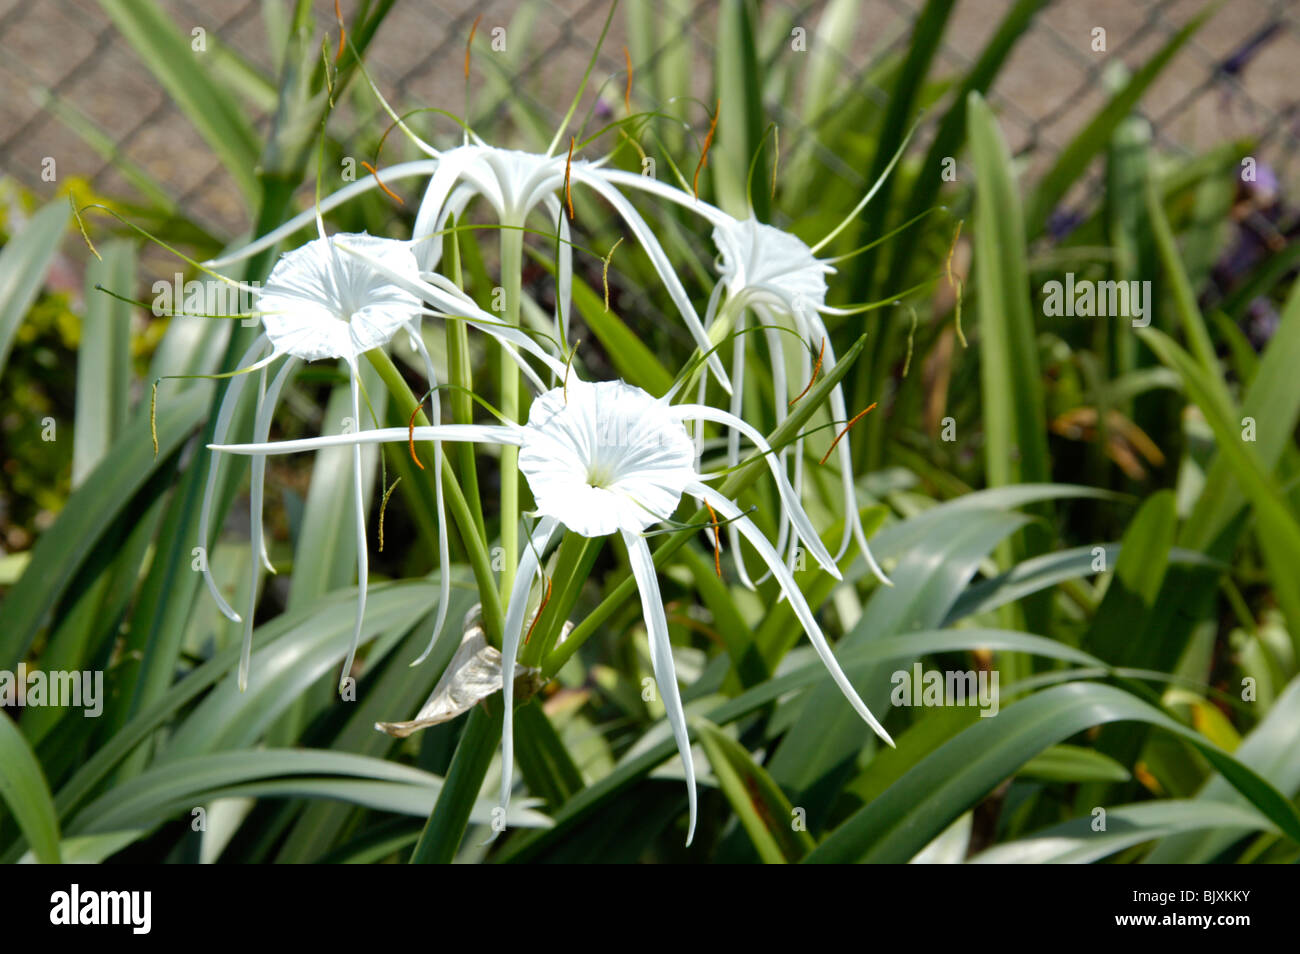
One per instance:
[(24, 790), (908, 815)]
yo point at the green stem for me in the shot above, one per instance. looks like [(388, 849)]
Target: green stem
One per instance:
[(450, 816), (573, 563), (512, 253), (462, 405), (476, 548)]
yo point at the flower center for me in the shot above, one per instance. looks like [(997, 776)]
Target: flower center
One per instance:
[(605, 457)]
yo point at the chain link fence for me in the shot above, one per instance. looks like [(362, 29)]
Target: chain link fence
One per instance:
[(75, 92)]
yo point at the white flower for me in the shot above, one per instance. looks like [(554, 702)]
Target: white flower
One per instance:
[(596, 482), (337, 298), (515, 184), (769, 266), (778, 277), (604, 458), (322, 303)]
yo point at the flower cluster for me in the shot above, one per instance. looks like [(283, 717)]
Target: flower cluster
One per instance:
[(601, 459)]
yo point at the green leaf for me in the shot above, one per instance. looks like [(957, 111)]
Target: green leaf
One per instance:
[(952, 128), (1073, 763), (1270, 750), (1275, 525), (1077, 842), (295, 636), (89, 511), (927, 32), (451, 814), (757, 800), (144, 801), (24, 261), (544, 760), (747, 703), (740, 121), (947, 782), (1010, 382), (103, 359), (829, 732), (1131, 595), (23, 789), (632, 359)]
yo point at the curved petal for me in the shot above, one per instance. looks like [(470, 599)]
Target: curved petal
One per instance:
[(444, 550), (661, 656), (853, 519), (432, 209), (463, 307), (363, 550), (661, 265), (733, 438), (673, 194), (511, 633), (793, 506), (470, 433), (564, 279), (219, 432), (265, 410), (403, 170), (797, 602)]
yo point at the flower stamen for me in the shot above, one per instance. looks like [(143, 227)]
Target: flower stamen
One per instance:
[(857, 417), (153, 417), (470, 43), (379, 182), (816, 372), (546, 598), (343, 32), (627, 92), (704, 154), (717, 540), (410, 436), (383, 506), (604, 274)]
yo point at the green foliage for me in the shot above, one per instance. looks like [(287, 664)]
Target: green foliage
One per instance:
[(1075, 505)]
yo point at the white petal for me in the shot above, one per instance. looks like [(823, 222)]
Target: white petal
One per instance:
[(605, 457), (461, 306), (794, 508), (853, 519), (661, 656), (444, 548), (262, 425), (419, 167), (468, 433), (511, 635), (219, 433), (318, 304), (363, 551), (797, 602), (661, 265)]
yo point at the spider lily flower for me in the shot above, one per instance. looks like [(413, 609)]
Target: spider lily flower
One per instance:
[(608, 459), (515, 184), (337, 298), (778, 277)]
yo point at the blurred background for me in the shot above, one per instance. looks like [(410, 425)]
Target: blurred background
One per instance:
[(94, 102)]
